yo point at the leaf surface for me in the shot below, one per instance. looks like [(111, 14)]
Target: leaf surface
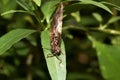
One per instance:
[(109, 60), (56, 70), (37, 2), (7, 40)]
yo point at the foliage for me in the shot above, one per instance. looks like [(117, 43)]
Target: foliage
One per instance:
[(90, 38), (56, 70)]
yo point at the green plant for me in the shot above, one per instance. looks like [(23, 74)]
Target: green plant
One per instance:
[(34, 17)]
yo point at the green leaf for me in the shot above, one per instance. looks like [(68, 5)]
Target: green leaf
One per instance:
[(26, 4), (72, 8), (48, 8), (7, 40), (109, 60), (98, 4), (112, 5), (76, 15), (14, 11), (79, 5), (98, 17), (113, 19), (37, 2), (56, 70), (6, 5)]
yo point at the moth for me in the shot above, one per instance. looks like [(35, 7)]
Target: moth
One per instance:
[(56, 31)]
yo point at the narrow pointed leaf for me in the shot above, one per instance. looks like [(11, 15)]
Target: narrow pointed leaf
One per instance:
[(37, 2), (13, 11), (26, 4), (79, 5), (109, 60), (98, 17), (7, 40), (113, 19), (57, 71), (112, 5), (98, 4)]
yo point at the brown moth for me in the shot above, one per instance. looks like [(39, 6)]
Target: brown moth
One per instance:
[(56, 31)]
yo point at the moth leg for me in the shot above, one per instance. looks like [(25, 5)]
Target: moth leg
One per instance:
[(59, 59), (50, 55), (46, 48), (62, 53)]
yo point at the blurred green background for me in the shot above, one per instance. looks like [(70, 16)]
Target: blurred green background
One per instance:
[(91, 34)]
